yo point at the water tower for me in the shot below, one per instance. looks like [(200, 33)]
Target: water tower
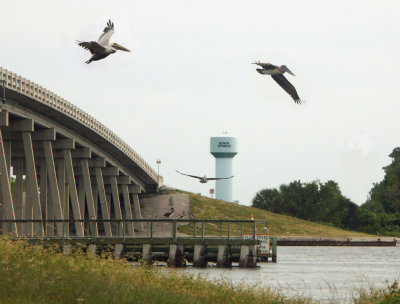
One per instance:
[(223, 148)]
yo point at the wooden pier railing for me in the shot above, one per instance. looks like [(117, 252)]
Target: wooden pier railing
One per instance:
[(173, 240)]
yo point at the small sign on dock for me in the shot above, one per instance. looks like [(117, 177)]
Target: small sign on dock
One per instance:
[(265, 245)]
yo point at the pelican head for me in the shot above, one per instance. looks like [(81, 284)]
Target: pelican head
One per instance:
[(284, 68), (118, 47)]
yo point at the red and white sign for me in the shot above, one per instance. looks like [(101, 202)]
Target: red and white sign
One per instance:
[(265, 246)]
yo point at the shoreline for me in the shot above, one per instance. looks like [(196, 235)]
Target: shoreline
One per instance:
[(337, 241)]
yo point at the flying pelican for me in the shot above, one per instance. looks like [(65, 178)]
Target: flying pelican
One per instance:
[(204, 179), (102, 48), (276, 73)]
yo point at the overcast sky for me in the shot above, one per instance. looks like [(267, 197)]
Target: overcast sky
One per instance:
[(190, 77)]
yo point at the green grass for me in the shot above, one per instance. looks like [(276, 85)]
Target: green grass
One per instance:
[(279, 225), (37, 275), (34, 274)]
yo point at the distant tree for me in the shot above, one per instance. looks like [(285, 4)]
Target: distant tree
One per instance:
[(309, 201), (385, 195), (268, 199), (324, 202)]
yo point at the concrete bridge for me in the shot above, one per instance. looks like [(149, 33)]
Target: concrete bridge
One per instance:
[(65, 164)]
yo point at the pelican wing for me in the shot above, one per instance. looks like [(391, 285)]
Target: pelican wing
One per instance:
[(266, 66), (287, 86), (189, 175), (107, 33), (92, 46), (217, 178)]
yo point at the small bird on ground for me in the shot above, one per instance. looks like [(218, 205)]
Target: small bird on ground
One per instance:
[(102, 48), (204, 179), (276, 73)]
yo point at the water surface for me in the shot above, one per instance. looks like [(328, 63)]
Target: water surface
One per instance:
[(323, 273)]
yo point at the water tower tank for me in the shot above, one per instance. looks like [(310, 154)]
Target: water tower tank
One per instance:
[(223, 148)]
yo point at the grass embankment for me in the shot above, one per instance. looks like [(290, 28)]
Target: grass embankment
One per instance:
[(279, 225), (37, 275)]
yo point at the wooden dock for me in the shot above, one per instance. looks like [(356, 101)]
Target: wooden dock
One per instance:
[(183, 241)]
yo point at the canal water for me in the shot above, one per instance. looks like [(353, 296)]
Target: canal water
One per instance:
[(322, 273)]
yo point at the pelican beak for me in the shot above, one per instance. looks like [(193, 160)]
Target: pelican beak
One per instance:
[(290, 72), (120, 47)]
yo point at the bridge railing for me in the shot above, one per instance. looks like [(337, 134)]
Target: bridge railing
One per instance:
[(26, 87), (141, 228)]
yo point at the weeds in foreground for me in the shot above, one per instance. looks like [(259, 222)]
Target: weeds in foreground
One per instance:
[(389, 295), (34, 274)]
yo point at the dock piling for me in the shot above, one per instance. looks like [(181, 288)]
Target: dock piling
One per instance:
[(248, 256), (176, 255), (274, 249), (224, 256), (146, 253), (199, 256), (118, 250)]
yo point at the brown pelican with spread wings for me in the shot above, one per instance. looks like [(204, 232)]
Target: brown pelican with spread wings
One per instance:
[(102, 48), (276, 73), (204, 179)]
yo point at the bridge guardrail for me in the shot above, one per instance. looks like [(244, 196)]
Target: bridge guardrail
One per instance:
[(24, 86)]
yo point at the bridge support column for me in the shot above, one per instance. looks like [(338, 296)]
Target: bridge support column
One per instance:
[(19, 203), (103, 200), (43, 190), (136, 208), (73, 192), (54, 192), (7, 201), (89, 194), (32, 187), (146, 253), (60, 171), (117, 204), (175, 258), (128, 210), (81, 196), (224, 256), (248, 256), (199, 256)]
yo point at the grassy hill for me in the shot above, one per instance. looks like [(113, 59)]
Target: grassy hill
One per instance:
[(207, 208)]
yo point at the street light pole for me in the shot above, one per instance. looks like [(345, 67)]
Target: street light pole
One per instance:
[(158, 169)]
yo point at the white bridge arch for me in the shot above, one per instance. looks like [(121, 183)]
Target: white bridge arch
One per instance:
[(66, 165)]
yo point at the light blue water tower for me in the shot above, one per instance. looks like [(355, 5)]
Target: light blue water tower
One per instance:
[(223, 148)]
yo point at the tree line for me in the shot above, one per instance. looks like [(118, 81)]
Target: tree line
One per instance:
[(325, 203)]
